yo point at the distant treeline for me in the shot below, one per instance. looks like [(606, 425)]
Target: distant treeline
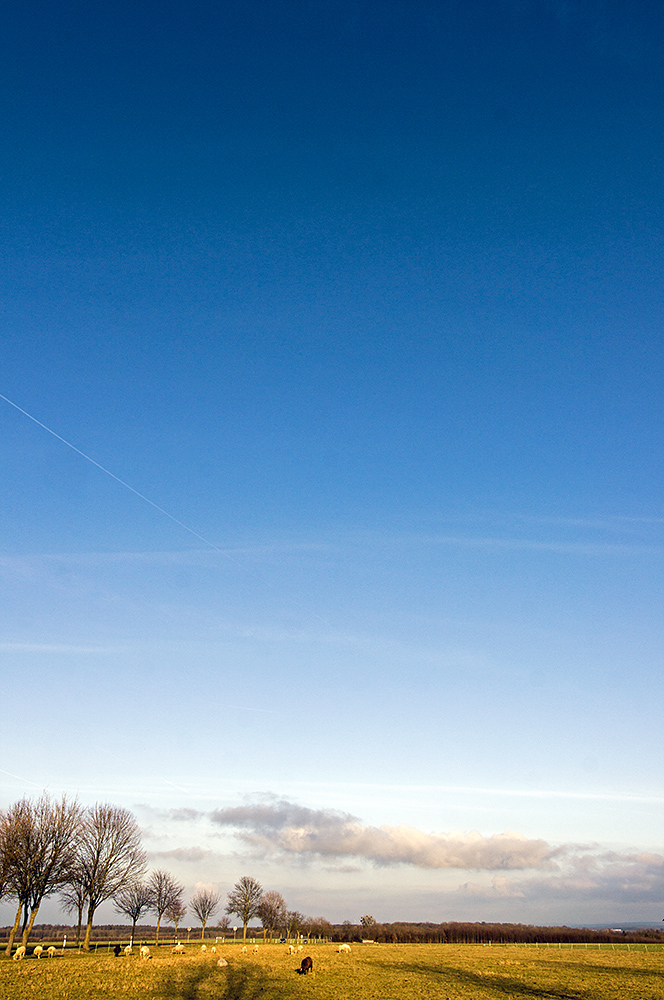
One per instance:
[(396, 933), (483, 933)]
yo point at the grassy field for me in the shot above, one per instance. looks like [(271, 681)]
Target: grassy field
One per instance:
[(370, 972)]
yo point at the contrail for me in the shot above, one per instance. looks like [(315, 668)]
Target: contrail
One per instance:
[(142, 496)]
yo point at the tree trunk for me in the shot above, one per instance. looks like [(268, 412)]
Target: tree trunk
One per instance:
[(12, 933), (244, 933), (156, 940), (88, 928), (78, 926), (203, 932), (27, 930)]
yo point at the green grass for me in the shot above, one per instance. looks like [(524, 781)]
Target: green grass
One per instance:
[(370, 972)]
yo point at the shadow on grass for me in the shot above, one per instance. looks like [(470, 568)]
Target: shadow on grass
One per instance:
[(489, 983), (235, 982)]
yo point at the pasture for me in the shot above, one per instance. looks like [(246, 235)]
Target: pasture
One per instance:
[(374, 972)]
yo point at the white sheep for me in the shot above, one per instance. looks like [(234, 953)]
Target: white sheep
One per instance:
[(203, 948), (244, 950), (344, 949), (213, 950), (51, 951), (38, 951), (145, 951), (221, 962), (19, 953), (291, 949), (300, 947), (128, 949), (255, 949), (178, 949)]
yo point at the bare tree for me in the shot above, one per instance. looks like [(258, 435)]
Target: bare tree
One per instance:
[(110, 856), (4, 858), (132, 901), (204, 903), (294, 922), (272, 912), (175, 912), (243, 900), (164, 892), (40, 840), (73, 896)]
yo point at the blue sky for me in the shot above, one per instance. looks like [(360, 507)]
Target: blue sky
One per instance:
[(367, 297)]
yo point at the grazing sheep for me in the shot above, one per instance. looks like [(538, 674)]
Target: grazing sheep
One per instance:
[(291, 949), (306, 966), (128, 949), (255, 949), (51, 951), (145, 951), (178, 949), (300, 947), (221, 962), (244, 949), (19, 954), (203, 948), (344, 949), (213, 950), (38, 951)]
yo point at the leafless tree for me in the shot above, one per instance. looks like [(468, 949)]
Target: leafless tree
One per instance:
[(243, 900), (204, 903), (73, 896), (40, 839), (110, 856), (175, 912), (132, 901), (164, 892), (272, 912), (294, 922), (4, 860)]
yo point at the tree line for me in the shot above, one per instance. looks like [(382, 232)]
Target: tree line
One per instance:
[(455, 932), (89, 856)]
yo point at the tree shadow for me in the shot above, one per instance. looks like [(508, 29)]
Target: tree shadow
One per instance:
[(235, 982), (491, 984)]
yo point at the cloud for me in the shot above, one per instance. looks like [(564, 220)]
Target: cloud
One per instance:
[(283, 827), (603, 878), (188, 854)]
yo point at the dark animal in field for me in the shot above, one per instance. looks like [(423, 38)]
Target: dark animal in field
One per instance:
[(306, 966), (117, 950)]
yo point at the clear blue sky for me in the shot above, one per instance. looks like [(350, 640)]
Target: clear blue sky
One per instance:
[(369, 297)]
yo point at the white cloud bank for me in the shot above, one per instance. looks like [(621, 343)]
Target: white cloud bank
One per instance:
[(287, 828)]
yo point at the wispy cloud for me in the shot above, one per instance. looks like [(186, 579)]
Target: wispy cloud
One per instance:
[(45, 647), (536, 545), (188, 855)]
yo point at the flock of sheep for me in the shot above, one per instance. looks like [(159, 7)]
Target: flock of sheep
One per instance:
[(306, 965)]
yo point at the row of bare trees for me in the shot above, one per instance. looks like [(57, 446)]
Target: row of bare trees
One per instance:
[(86, 855), (90, 856)]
